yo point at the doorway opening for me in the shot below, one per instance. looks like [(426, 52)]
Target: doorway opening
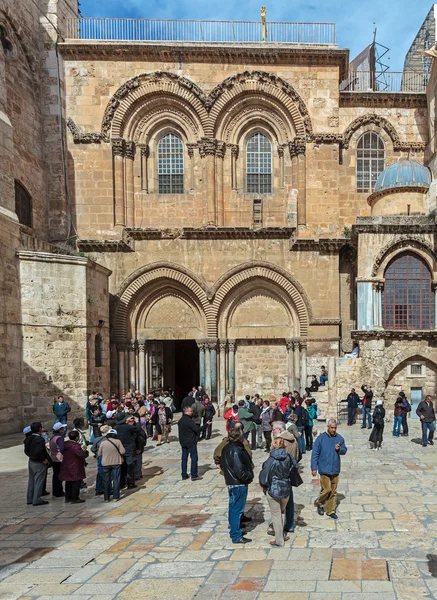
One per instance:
[(415, 399)]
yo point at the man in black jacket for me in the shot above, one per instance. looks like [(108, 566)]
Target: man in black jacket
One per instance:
[(255, 407), (128, 436), (426, 414), (352, 405), (35, 449), (189, 435), (367, 406), (237, 469)]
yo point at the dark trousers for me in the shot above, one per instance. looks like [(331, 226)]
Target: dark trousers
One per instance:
[(309, 437), (208, 432), (35, 486), (253, 439), (289, 513), (128, 471), (57, 489), (111, 481), (190, 451), (268, 439), (351, 414), (72, 489), (404, 423), (138, 466), (99, 476)]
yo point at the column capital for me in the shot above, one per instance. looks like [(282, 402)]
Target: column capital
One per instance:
[(212, 343), (234, 149), (201, 344), (130, 150), (145, 151), (302, 344), (190, 149), (221, 149), (142, 346), (132, 345), (297, 146), (281, 150), (207, 146), (223, 344), (118, 146), (289, 345), (232, 344)]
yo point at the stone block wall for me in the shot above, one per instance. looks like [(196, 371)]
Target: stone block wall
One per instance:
[(261, 368)]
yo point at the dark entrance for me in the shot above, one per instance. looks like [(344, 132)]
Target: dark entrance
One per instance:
[(181, 367)]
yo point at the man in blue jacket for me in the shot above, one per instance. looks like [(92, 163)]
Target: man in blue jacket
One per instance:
[(325, 459)]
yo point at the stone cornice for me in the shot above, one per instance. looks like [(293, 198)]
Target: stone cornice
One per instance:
[(48, 257), (382, 99), (212, 233), (394, 334), (400, 225), (121, 245), (200, 52), (320, 245), (80, 137)]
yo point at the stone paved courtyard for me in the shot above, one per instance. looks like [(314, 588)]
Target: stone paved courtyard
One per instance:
[(169, 540)]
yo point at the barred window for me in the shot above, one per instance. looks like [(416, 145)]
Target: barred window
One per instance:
[(170, 165), (23, 204), (259, 165), (408, 300), (370, 160)]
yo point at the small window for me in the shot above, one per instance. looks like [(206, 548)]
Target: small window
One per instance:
[(416, 370), (370, 161), (98, 350), (170, 165), (259, 165), (23, 204)]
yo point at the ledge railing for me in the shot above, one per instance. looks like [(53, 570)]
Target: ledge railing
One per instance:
[(410, 82), (230, 32)]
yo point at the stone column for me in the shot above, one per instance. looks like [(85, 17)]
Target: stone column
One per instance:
[(222, 372), (145, 153), (281, 166), (296, 358), (142, 367), (434, 287), (375, 305), (132, 352), (234, 156), (290, 354), (201, 346), (298, 157), (146, 366), (379, 297), (365, 316), (130, 207), (207, 149), (207, 370), (303, 368), (121, 361), (118, 149), (231, 363), (213, 358), (190, 150), (220, 155)]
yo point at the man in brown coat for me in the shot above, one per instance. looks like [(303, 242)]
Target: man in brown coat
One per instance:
[(112, 452)]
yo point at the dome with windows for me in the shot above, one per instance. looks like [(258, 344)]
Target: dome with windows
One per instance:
[(403, 173), (401, 189)]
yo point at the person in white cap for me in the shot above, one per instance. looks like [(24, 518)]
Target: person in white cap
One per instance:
[(111, 451), (56, 454)]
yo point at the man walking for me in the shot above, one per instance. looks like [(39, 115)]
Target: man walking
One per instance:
[(426, 414), (189, 434), (325, 458), (352, 405), (367, 406), (237, 469), (35, 449)]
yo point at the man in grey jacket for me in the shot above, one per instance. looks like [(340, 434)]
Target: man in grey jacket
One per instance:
[(426, 414)]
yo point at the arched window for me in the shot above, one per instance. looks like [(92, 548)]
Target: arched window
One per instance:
[(23, 204), (170, 165), (408, 300), (370, 160), (259, 165), (98, 361)]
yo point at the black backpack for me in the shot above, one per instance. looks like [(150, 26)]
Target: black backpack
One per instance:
[(305, 417)]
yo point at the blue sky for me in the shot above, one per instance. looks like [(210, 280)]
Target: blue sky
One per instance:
[(397, 23)]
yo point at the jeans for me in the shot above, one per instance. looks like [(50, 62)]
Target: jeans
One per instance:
[(289, 513), (404, 423), (62, 420), (323, 379), (111, 481), (268, 439), (430, 427), (301, 440), (35, 486), (259, 436), (237, 502), (99, 476), (397, 426), (128, 471), (190, 451), (246, 435), (366, 413), (57, 489)]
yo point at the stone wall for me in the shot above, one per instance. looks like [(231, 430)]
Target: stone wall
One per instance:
[(261, 368)]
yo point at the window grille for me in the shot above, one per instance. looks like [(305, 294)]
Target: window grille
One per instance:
[(259, 165), (170, 165), (416, 369), (370, 161)]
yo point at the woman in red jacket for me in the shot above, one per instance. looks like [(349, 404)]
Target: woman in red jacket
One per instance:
[(73, 468), (231, 417)]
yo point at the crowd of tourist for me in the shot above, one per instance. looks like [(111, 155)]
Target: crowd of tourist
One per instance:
[(116, 430)]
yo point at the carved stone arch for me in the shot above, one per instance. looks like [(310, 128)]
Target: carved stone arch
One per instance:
[(135, 283), (7, 19), (258, 83), (371, 119), (144, 115), (404, 243), (395, 361), (267, 272), (142, 86)]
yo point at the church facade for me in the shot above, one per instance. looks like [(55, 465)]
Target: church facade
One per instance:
[(239, 219)]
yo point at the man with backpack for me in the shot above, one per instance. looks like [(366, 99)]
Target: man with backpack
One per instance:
[(406, 408), (367, 406)]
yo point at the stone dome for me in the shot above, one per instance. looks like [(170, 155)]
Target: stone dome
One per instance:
[(403, 173)]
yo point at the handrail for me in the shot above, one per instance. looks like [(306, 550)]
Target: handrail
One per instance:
[(409, 82), (119, 29)]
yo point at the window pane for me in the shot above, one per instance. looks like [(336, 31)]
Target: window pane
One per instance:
[(170, 165), (408, 300), (370, 160), (259, 165)]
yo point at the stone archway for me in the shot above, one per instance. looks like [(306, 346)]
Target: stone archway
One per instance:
[(404, 377)]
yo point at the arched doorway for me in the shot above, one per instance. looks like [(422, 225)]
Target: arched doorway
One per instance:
[(416, 376)]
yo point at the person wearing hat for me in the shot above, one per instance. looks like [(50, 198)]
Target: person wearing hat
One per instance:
[(56, 447), (73, 468), (35, 449), (27, 431), (111, 452), (162, 421), (103, 431)]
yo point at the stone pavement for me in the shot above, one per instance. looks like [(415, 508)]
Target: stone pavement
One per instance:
[(169, 541)]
